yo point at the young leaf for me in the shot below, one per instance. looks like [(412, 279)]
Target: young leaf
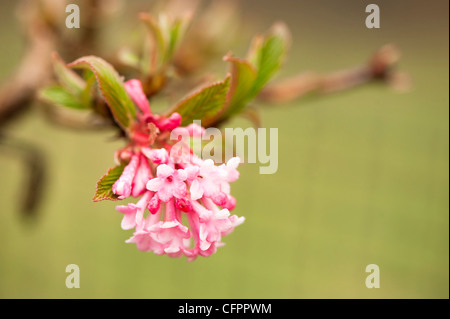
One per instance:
[(112, 88), (59, 96), (269, 57), (166, 33), (204, 104), (159, 41), (105, 184), (177, 32), (68, 79), (248, 77), (243, 76), (86, 94)]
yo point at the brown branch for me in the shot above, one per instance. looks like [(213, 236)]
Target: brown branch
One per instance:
[(19, 90), (44, 34), (379, 68), (34, 161)]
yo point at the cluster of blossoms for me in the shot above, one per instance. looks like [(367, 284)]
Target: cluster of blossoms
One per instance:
[(172, 190)]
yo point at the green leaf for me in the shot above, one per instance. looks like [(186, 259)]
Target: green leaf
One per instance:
[(255, 46), (59, 96), (204, 104), (177, 32), (72, 90), (166, 34), (243, 76), (86, 94), (112, 88), (68, 79), (269, 55), (105, 184), (248, 77), (159, 41)]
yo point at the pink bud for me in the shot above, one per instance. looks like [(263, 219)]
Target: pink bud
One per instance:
[(134, 89), (154, 205), (183, 205), (231, 203), (220, 199), (170, 123), (157, 156)]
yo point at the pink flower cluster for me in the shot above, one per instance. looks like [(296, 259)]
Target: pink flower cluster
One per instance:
[(184, 207)]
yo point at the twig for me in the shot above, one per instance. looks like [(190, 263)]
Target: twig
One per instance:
[(34, 161), (19, 91), (379, 68)]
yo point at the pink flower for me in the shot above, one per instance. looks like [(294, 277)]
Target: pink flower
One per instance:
[(184, 204), (143, 174), (230, 202), (170, 235), (134, 214), (235, 221), (230, 168), (134, 89), (199, 248), (206, 181), (157, 218), (213, 182), (123, 186), (173, 121), (213, 224), (154, 205), (157, 156), (165, 123), (169, 183), (195, 130), (142, 237), (167, 194)]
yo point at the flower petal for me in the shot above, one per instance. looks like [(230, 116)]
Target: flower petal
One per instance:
[(155, 184), (196, 190)]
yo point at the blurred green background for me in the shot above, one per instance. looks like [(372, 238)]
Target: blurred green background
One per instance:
[(362, 179)]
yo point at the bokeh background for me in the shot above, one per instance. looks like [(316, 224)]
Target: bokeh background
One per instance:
[(362, 179)]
